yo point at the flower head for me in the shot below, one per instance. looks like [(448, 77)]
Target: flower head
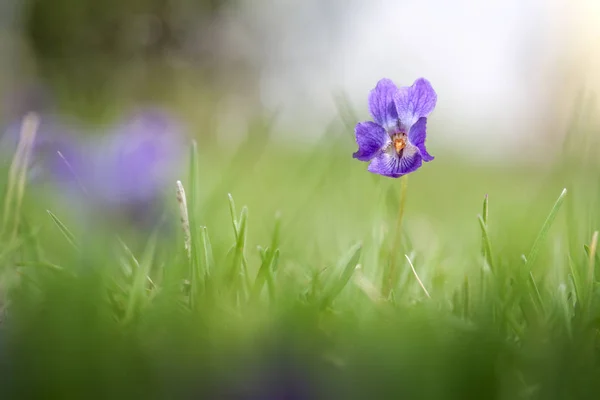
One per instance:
[(138, 159), (394, 142), (125, 172)]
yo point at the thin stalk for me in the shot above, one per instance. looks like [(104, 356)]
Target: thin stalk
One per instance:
[(390, 278)]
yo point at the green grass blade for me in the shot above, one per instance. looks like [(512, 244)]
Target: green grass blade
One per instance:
[(133, 264), (576, 279), (266, 266), (269, 276), (233, 214), (590, 273), (207, 263), (138, 292), (591, 253), (485, 212), (349, 263), (261, 275), (587, 250), (484, 217), (486, 243), (241, 248), (466, 297), (537, 297), (193, 176), (196, 273), (64, 230), (208, 259), (237, 275), (541, 237)]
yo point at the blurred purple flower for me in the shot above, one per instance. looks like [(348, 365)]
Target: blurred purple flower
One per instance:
[(128, 169), (395, 143), (137, 160)]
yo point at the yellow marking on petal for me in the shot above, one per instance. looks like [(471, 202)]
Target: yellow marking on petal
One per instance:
[(399, 141)]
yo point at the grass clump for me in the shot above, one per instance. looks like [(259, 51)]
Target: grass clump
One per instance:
[(292, 292)]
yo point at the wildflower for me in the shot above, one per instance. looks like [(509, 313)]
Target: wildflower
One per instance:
[(138, 160), (395, 142), (124, 172)]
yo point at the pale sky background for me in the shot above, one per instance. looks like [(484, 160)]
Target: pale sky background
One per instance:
[(505, 71)]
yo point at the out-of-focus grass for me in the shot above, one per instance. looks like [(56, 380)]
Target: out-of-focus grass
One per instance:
[(96, 313)]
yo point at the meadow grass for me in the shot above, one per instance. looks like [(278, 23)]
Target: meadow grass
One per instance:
[(282, 283)]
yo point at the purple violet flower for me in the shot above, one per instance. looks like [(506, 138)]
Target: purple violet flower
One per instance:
[(395, 142)]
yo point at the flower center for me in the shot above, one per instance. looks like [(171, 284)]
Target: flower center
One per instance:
[(399, 142)]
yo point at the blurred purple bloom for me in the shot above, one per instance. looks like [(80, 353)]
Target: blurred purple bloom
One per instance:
[(395, 142), (137, 160), (127, 169)]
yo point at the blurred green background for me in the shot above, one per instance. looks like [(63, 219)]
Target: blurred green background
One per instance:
[(97, 305)]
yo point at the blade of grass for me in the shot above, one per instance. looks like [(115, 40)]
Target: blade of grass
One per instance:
[(64, 230), (486, 243), (207, 262), (208, 258), (133, 262), (237, 266), (591, 270), (563, 303), (184, 218), (390, 277), (193, 241), (367, 287), (414, 271), (576, 279), (236, 231), (532, 257), (137, 294), (42, 264), (484, 217), (269, 276), (17, 174), (466, 297), (349, 263), (266, 266), (537, 299), (592, 258), (233, 214), (541, 237)]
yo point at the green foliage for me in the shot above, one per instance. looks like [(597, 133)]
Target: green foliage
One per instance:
[(287, 287)]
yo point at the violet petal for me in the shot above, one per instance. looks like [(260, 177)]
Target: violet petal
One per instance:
[(382, 105), (370, 138), (389, 163), (416, 137), (414, 102)]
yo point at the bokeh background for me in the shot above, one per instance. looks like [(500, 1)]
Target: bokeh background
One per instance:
[(271, 91), (508, 71)]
